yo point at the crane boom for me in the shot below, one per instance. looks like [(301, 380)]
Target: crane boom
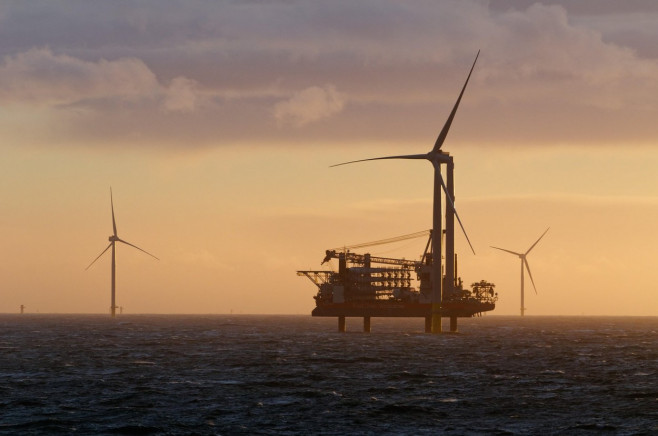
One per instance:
[(386, 241), (362, 259)]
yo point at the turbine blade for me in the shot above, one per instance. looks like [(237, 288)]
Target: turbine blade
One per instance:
[(99, 256), (445, 189), (509, 251), (406, 156), (446, 126), (533, 245), (135, 246), (114, 223), (525, 262)]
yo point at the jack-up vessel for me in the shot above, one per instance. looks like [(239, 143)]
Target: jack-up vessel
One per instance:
[(360, 290)]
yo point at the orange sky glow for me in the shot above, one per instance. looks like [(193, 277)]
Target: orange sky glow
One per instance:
[(216, 125)]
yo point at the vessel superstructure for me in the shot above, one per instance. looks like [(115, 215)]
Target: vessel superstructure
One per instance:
[(372, 286)]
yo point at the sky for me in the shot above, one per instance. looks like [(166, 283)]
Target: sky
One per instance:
[(215, 124)]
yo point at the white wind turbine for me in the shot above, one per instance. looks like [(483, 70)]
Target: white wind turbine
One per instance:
[(114, 238), (438, 157), (524, 262)]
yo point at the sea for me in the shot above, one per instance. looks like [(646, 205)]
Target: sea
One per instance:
[(290, 375)]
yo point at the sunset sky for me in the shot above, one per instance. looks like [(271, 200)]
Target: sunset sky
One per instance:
[(215, 124)]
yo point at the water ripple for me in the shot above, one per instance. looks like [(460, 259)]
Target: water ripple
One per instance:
[(295, 375)]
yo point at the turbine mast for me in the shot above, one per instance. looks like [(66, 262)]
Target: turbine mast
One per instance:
[(522, 290), (437, 237), (450, 232), (114, 273)]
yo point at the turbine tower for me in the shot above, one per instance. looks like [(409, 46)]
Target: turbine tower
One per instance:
[(524, 262), (437, 157), (114, 238)]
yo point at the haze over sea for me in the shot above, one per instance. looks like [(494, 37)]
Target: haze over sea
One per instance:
[(221, 374)]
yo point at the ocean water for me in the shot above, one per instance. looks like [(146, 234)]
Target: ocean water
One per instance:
[(146, 374)]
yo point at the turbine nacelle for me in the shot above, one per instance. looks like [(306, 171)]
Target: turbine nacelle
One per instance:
[(439, 156)]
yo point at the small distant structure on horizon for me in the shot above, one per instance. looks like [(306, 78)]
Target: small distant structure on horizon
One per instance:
[(120, 310), (22, 309)]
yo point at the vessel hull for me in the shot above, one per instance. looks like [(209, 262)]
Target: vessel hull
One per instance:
[(400, 309)]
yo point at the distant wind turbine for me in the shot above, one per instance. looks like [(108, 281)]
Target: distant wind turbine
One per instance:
[(437, 157), (524, 262), (113, 239)]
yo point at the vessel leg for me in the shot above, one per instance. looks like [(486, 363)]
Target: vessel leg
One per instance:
[(436, 318), (341, 324), (366, 324), (453, 324), (436, 324)]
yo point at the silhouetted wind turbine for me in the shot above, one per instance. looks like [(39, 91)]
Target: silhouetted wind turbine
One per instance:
[(114, 238), (438, 157), (524, 262)]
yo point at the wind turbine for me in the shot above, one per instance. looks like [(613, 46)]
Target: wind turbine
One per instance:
[(114, 238), (524, 262), (437, 157)]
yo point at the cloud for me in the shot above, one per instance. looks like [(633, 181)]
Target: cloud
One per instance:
[(309, 105), (41, 77), (218, 72), (181, 96)]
